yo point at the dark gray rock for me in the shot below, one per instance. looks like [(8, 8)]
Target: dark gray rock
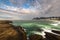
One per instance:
[(56, 31), (52, 36)]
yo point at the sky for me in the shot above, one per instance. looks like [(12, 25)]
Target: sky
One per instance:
[(18, 9), (28, 9)]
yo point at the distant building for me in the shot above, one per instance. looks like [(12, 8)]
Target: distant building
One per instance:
[(50, 18)]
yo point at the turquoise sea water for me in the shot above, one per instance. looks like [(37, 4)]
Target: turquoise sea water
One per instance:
[(37, 25)]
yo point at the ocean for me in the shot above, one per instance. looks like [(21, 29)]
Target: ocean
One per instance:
[(32, 26)]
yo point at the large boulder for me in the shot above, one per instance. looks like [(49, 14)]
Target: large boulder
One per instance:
[(52, 36), (10, 32), (22, 33), (56, 31)]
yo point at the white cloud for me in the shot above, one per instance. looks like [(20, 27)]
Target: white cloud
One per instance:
[(18, 13), (46, 8)]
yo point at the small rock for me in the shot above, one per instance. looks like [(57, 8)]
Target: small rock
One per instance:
[(36, 37)]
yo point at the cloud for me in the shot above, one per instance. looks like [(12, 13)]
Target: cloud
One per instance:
[(36, 8), (20, 10), (11, 12), (18, 3)]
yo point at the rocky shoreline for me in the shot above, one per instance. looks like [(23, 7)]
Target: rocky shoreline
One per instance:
[(12, 32)]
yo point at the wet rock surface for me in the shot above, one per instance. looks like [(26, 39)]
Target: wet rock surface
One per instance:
[(52, 36), (56, 31)]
